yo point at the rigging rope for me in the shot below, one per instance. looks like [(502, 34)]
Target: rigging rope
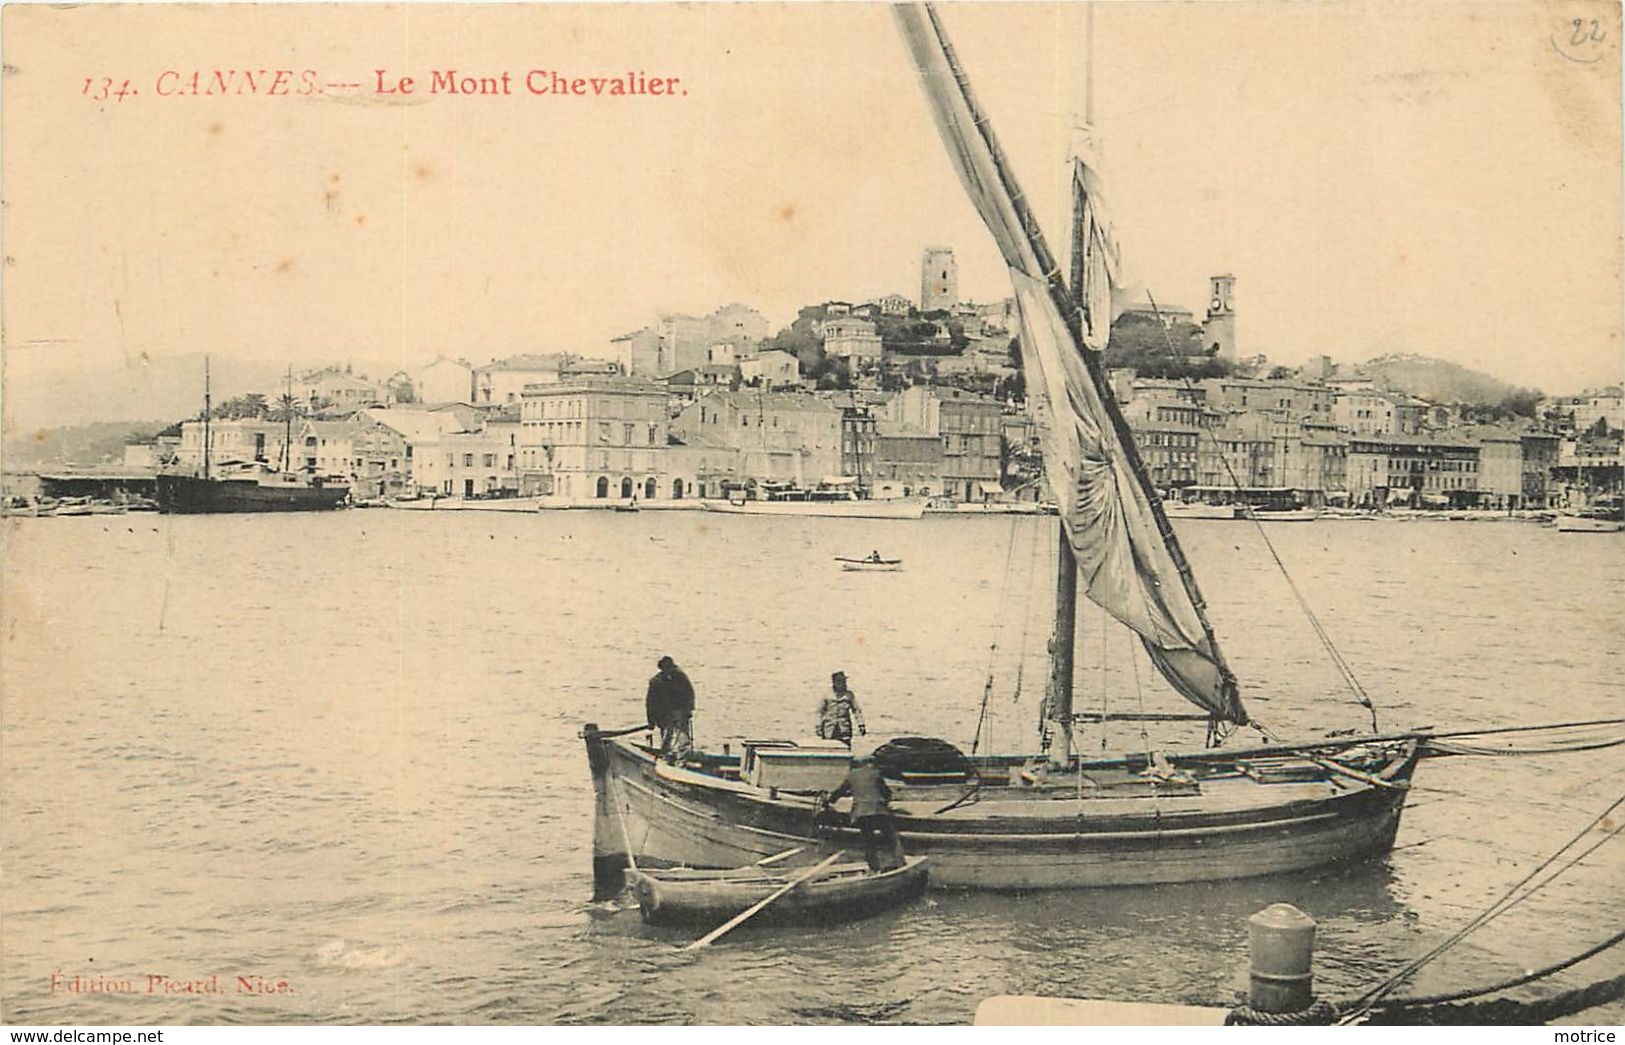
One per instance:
[(1516, 981), (1365, 1002), (1506, 1011), (1026, 611), (1342, 665), (998, 633)]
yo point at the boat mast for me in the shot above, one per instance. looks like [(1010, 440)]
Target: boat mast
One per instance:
[(1063, 646), (287, 422), (1064, 302), (208, 408)]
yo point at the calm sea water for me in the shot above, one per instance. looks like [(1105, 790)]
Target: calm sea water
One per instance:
[(338, 752)]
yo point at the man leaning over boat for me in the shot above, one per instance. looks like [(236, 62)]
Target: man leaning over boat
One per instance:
[(871, 813), (670, 707)]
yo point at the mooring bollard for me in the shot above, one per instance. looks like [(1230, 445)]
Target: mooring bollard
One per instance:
[(1282, 944)]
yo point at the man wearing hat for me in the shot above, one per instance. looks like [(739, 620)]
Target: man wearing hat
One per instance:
[(838, 711), (670, 707), (871, 813)]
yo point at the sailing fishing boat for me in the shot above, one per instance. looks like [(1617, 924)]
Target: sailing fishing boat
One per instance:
[(1050, 819)]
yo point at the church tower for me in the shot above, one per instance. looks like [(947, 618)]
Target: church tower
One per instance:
[(1220, 331)]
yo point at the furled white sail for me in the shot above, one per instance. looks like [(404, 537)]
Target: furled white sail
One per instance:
[(1126, 553), (1097, 268)]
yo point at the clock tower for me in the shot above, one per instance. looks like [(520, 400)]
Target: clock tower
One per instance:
[(1220, 331)]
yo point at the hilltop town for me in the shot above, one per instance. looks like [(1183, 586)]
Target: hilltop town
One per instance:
[(903, 398)]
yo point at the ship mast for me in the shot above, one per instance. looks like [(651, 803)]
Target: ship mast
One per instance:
[(208, 408), (287, 422), (1063, 646)]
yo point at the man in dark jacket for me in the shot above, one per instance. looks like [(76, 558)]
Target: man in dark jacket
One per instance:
[(670, 706), (871, 813)]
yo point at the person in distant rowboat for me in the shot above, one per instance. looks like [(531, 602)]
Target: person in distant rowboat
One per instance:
[(670, 706), (874, 556), (871, 813), (839, 711)]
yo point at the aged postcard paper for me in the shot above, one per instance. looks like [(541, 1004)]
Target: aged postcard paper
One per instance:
[(811, 513)]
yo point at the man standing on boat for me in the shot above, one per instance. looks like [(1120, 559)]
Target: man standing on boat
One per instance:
[(838, 711), (670, 707), (871, 813)]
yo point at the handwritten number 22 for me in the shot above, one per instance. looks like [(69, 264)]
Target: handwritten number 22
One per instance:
[(1581, 35)]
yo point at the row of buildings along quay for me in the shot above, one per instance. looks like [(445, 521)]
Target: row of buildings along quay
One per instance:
[(903, 399)]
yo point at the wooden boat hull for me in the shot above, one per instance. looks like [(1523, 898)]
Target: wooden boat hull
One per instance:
[(1200, 511), (847, 893), (1236, 828), (871, 567), (901, 508), (1588, 524)]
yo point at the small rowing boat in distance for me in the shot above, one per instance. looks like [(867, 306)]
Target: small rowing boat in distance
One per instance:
[(690, 896), (870, 564)]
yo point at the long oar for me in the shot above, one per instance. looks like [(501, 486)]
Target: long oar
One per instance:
[(776, 857), (753, 909)]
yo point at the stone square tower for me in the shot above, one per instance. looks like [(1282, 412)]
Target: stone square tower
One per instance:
[(939, 279)]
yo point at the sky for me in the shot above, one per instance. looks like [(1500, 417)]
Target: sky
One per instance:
[(1440, 179)]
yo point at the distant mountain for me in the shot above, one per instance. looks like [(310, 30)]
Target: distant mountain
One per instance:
[(81, 445), (45, 391), (1436, 380)]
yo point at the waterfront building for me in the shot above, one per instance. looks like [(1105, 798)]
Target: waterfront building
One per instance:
[(1314, 462), (908, 463), (1244, 452), (1168, 434), (858, 449), (970, 428), (380, 456), (381, 433), (592, 438), (939, 279), (1500, 465), (325, 448), (779, 436), (445, 380), (481, 463), (1414, 471), (1587, 465), (1540, 450)]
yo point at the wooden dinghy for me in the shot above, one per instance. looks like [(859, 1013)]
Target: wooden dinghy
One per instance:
[(870, 565), (845, 892)]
